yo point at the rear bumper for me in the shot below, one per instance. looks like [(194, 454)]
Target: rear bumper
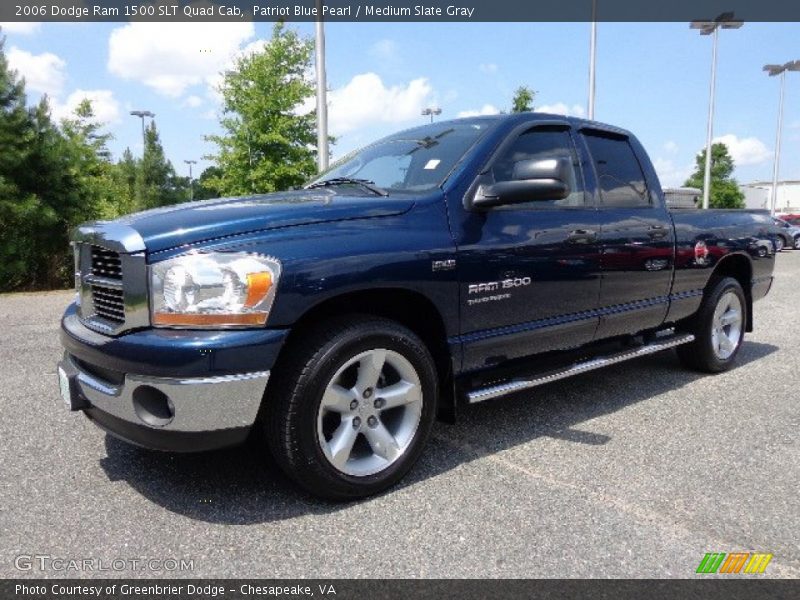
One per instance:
[(169, 390)]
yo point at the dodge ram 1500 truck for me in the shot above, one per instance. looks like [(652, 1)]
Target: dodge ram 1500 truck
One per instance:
[(447, 264)]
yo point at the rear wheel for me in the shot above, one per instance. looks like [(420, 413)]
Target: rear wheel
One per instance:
[(797, 242), (718, 328), (779, 244), (350, 414)]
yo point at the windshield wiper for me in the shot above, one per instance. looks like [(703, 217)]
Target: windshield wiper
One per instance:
[(364, 183)]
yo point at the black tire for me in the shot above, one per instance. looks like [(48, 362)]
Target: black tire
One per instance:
[(796, 244), (294, 398), (780, 244), (702, 355)]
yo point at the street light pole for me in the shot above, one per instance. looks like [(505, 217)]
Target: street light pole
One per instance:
[(724, 21), (322, 92), (431, 111), (142, 114), (191, 186), (592, 59), (774, 70), (710, 128)]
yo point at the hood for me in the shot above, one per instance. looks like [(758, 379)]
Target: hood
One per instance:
[(192, 222)]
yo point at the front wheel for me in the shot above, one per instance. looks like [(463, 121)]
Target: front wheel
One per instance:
[(797, 242), (718, 328), (350, 414), (779, 244)]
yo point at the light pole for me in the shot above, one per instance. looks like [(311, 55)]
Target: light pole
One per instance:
[(142, 114), (431, 110), (724, 21), (774, 70), (191, 186), (592, 57), (322, 92)]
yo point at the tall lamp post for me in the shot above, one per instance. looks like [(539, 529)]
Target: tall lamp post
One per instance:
[(322, 92), (723, 21), (774, 70), (431, 111), (191, 186), (592, 59), (142, 114)]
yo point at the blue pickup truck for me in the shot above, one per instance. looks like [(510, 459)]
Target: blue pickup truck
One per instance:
[(444, 265)]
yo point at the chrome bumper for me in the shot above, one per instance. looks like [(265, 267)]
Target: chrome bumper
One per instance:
[(194, 405)]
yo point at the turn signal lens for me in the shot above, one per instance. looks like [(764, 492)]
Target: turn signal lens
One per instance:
[(258, 285)]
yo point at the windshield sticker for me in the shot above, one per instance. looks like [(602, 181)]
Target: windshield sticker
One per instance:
[(432, 164)]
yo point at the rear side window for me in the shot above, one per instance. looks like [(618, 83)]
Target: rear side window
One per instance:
[(619, 173)]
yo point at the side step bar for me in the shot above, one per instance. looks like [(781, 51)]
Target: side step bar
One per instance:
[(517, 385)]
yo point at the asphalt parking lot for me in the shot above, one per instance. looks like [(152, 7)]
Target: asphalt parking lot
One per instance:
[(635, 471)]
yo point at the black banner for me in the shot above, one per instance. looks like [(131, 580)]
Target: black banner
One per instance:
[(396, 10), (402, 589)]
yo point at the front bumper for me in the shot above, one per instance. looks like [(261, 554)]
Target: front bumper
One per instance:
[(168, 390)]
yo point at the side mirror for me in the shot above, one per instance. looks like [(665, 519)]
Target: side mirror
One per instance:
[(531, 180)]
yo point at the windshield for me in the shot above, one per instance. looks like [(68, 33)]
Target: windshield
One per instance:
[(416, 160)]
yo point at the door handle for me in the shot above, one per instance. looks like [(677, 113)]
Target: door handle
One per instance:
[(657, 231), (582, 236)]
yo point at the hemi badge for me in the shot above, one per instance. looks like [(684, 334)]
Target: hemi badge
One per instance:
[(443, 265)]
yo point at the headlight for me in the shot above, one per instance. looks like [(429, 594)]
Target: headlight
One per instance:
[(217, 289)]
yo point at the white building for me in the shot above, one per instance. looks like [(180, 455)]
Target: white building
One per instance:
[(758, 193)]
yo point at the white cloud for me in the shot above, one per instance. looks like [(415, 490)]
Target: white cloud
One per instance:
[(42, 72), (670, 174), (670, 147), (559, 108), (384, 50), (25, 28), (171, 57), (193, 101), (486, 109), (105, 106), (745, 151), (367, 100), (488, 68)]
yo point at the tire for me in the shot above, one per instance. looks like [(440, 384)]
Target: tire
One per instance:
[(779, 244), (718, 328), (796, 244), (328, 425)]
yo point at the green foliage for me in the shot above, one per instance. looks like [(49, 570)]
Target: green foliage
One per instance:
[(523, 99), (266, 145), (52, 178), (725, 192)]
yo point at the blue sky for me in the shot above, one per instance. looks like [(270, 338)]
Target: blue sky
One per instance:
[(651, 78)]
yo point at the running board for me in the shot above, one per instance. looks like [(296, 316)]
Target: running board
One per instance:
[(517, 385)]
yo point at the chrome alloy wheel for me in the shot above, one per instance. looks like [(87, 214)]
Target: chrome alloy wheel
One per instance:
[(726, 329), (797, 243), (369, 412)]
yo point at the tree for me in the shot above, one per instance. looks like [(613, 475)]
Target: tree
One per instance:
[(725, 192), (156, 181), (203, 186), (523, 99), (267, 144)]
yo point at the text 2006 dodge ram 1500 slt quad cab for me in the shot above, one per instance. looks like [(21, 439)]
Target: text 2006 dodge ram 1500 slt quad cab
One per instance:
[(450, 263)]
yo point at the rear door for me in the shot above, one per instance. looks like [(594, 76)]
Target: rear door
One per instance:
[(529, 273), (636, 238)]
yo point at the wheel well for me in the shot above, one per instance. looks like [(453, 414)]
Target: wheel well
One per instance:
[(409, 308), (737, 266)]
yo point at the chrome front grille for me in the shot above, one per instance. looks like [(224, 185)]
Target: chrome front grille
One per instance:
[(106, 263), (111, 275)]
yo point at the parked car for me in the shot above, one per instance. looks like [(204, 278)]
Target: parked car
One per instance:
[(786, 235), (444, 265), (792, 219)]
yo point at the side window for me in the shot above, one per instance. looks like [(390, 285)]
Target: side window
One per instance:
[(538, 144), (619, 173)]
